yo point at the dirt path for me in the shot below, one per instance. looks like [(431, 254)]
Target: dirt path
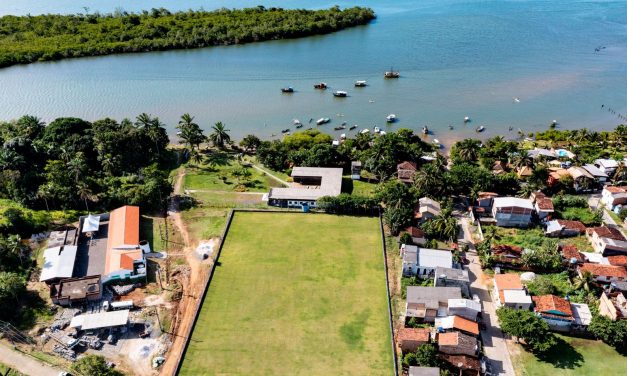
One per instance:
[(271, 175), (193, 289), (24, 363)]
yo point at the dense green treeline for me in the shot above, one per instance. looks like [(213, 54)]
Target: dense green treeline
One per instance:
[(26, 39)]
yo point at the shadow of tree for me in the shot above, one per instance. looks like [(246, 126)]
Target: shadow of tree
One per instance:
[(563, 355)]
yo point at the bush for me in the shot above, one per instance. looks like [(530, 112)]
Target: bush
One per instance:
[(405, 238), (349, 204), (568, 201)]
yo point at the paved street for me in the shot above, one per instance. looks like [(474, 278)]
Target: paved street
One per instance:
[(25, 364), (494, 346)]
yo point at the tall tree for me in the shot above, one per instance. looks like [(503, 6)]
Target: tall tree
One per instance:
[(220, 135), (190, 132)]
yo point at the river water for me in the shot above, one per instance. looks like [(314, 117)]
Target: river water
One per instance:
[(456, 59)]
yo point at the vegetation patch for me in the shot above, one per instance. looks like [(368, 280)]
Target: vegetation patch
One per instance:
[(295, 293), (26, 39)]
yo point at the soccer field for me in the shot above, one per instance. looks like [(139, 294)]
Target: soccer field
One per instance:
[(295, 294)]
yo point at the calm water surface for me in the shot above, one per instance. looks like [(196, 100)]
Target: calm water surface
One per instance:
[(456, 58)]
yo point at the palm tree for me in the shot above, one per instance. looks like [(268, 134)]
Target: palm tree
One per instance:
[(190, 132), (152, 126), (195, 157), (220, 135), (468, 150), (85, 193), (583, 281), (621, 171)]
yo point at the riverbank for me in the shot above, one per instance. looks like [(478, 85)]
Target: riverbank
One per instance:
[(48, 37)]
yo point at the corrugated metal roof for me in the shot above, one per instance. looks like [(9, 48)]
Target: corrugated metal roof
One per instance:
[(100, 320), (504, 202), (330, 184), (58, 262)]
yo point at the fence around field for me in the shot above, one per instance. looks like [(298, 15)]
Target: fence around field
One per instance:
[(179, 361)]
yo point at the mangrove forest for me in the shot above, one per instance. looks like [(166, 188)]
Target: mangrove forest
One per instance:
[(27, 39)]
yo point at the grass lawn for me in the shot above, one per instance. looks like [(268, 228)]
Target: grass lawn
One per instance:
[(583, 215), (221, 178), (358, 187), (573, 356), (295, 294), (533, 238)]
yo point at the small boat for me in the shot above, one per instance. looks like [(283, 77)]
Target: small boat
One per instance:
[(285, 130), (364, 131), (436, 143), (377, 130), (352, 127), (391, 118), (340, 128), (310, 120), (391, 74), (179, 133), (516, 99), (371, 101), (321, 86), (343, 123), (296, 121), (382, 133), (323, 121), (450, 127), (340, 94), (466, 119), (343, 136), (299, 126), (480, 128), (425, 130), (554, 122), (511, 128), (360, 84), (288, 89)]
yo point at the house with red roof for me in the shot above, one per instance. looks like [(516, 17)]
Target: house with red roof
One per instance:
[(409, 339), (124, 258), (604, 273), (406, 171), (607, 240), (555, 311)]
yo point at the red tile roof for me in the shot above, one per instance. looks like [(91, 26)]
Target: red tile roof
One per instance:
[(507, 281), (607, 232), (544, 204), (620, 260), (547, 303), (465, 325), (448, 339), (604, 270), (506, 248), (572, 225), (570, 252), (467, 362), (415, 232), (413, 334), (614, 189), (407, 166)]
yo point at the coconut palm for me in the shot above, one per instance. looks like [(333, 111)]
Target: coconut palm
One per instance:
[(190, 132), (85, 193), (467, 150), (621, 171), (220, 135)]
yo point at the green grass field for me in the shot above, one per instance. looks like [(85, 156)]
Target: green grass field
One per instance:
[(572, 356), (295, 294)]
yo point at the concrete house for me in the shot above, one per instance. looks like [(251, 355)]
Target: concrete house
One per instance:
[(124, 254), (456, 343), (612, 196), (561, 228), (426, 209), (604, 273), (543, 205), (599, 176), (456, 323), (355, 170), (423, 261), (509, 292), (466, 308), (417, 235), (613, 305), (607, 166), (310, 183), (427, 303), (507, 255), (453, 277), (409, 339), (582, 317), (555, 311), (607, 241), (512, 211), (571, 255), (76, 290), (582, 179)]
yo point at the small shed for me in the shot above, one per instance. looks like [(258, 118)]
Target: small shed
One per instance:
[(58, 263)]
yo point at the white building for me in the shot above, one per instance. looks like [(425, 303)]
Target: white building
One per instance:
[(608, 166), (612, 196), (512, 211), (423, 261)]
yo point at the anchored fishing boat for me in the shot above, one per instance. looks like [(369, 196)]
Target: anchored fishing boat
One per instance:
[(391, 74), (361, 84), (340, 94), (288, 89), (391, 118), (323, 121), (480, 129), (352, 127), (320, 86)]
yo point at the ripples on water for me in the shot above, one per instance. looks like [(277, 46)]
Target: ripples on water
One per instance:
[(456, 58)]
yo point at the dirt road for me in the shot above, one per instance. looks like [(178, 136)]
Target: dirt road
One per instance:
[(192, 292), (494, 345), (24, 363)]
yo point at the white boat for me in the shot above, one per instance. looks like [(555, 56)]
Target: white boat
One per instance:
[(382, 133), (436, 143), (480, 128), (360, 83), (323, 121), (554, 122), (343, 136), (391, 118), (340, 93), (377, 130), (466, 119), (335, 143), (365, 130), (296, 122)]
